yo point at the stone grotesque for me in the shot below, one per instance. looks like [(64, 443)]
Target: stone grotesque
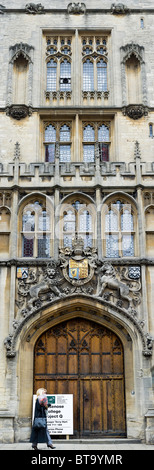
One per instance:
[(119, 9), (76, 8), (34, 8)]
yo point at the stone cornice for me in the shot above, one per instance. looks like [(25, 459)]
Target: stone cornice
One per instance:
[(88, 11)]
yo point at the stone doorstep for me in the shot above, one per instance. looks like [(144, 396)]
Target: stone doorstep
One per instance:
[(95, 441)]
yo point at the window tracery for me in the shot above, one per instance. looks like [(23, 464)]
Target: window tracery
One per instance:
[(94, 56), (96, 133), (36, 230), (57, 141), (58, 52), (78, 220)]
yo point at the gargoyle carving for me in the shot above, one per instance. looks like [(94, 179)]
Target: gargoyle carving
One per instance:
[(34, 8), (119, 9), (76, 8)]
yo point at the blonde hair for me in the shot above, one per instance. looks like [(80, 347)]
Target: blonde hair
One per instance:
[(40, 391)]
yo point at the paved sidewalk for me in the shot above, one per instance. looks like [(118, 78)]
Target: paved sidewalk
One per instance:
[(63, 445)]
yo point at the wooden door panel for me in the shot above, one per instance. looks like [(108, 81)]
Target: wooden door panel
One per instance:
[(86, 359)]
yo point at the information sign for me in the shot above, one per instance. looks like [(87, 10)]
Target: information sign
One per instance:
[(59, 414)]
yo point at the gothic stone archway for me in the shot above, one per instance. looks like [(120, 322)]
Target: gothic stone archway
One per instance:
[(81, 357)]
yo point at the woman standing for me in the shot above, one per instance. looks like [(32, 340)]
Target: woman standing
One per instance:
[(40, 434)]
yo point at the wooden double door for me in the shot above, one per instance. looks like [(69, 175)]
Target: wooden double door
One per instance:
[(85, 359)]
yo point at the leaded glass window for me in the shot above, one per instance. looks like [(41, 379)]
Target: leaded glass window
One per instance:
[(103, 139), (88, 76), (58, 51), (50, 141), (77, 221), (94, 53), (65, 75), (43, 246), (62, 135), (119, 230), (101, 75), (92, 134), (89, 149), (51, 75), (35, 231), (65, 150)]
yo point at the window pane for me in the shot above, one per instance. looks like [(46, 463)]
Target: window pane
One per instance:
[(51, 75), (65, 153), (50, 153), (28, 222), (50, 134), (112, 250), (65, 76), (65, 133), (87, 240), (43, 247), (104, 152), (85, 222), (68, 240), (89, 153), (88, 76), (88, 134), (103, 133), (127, 221), (101, 76), (44, 222), (128, 245), (28, 247), (111, 222), (69, 222)]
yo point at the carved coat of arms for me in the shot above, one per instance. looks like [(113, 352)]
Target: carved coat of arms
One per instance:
[(78, 263)]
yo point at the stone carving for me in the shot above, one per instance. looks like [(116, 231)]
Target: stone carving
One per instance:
[(119, 9), (34, 8), (118, 284), (76, 8), (83, 260), (135, 111), (18, 112), (41, 286), (147, 351), (23, 49), (134, 272), (118, 287), (132, 48)]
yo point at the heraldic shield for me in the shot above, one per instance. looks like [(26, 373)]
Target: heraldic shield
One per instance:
[(78, 269)]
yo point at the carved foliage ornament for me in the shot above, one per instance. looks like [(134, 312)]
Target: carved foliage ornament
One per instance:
[(135, 111), (18, 111)]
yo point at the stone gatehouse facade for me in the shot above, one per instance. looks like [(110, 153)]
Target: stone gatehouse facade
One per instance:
[(76, 214)]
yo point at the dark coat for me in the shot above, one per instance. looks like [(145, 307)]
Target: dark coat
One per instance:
[(39, 435)]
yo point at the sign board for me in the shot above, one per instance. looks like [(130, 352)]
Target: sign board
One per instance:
[(60, 414)]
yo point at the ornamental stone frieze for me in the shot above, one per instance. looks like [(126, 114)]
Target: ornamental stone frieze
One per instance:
[(78, 272)]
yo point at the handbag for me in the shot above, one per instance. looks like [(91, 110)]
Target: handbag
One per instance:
[(39, 423)]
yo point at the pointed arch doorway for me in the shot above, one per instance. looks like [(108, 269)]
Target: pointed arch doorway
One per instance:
[(84, 358)]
